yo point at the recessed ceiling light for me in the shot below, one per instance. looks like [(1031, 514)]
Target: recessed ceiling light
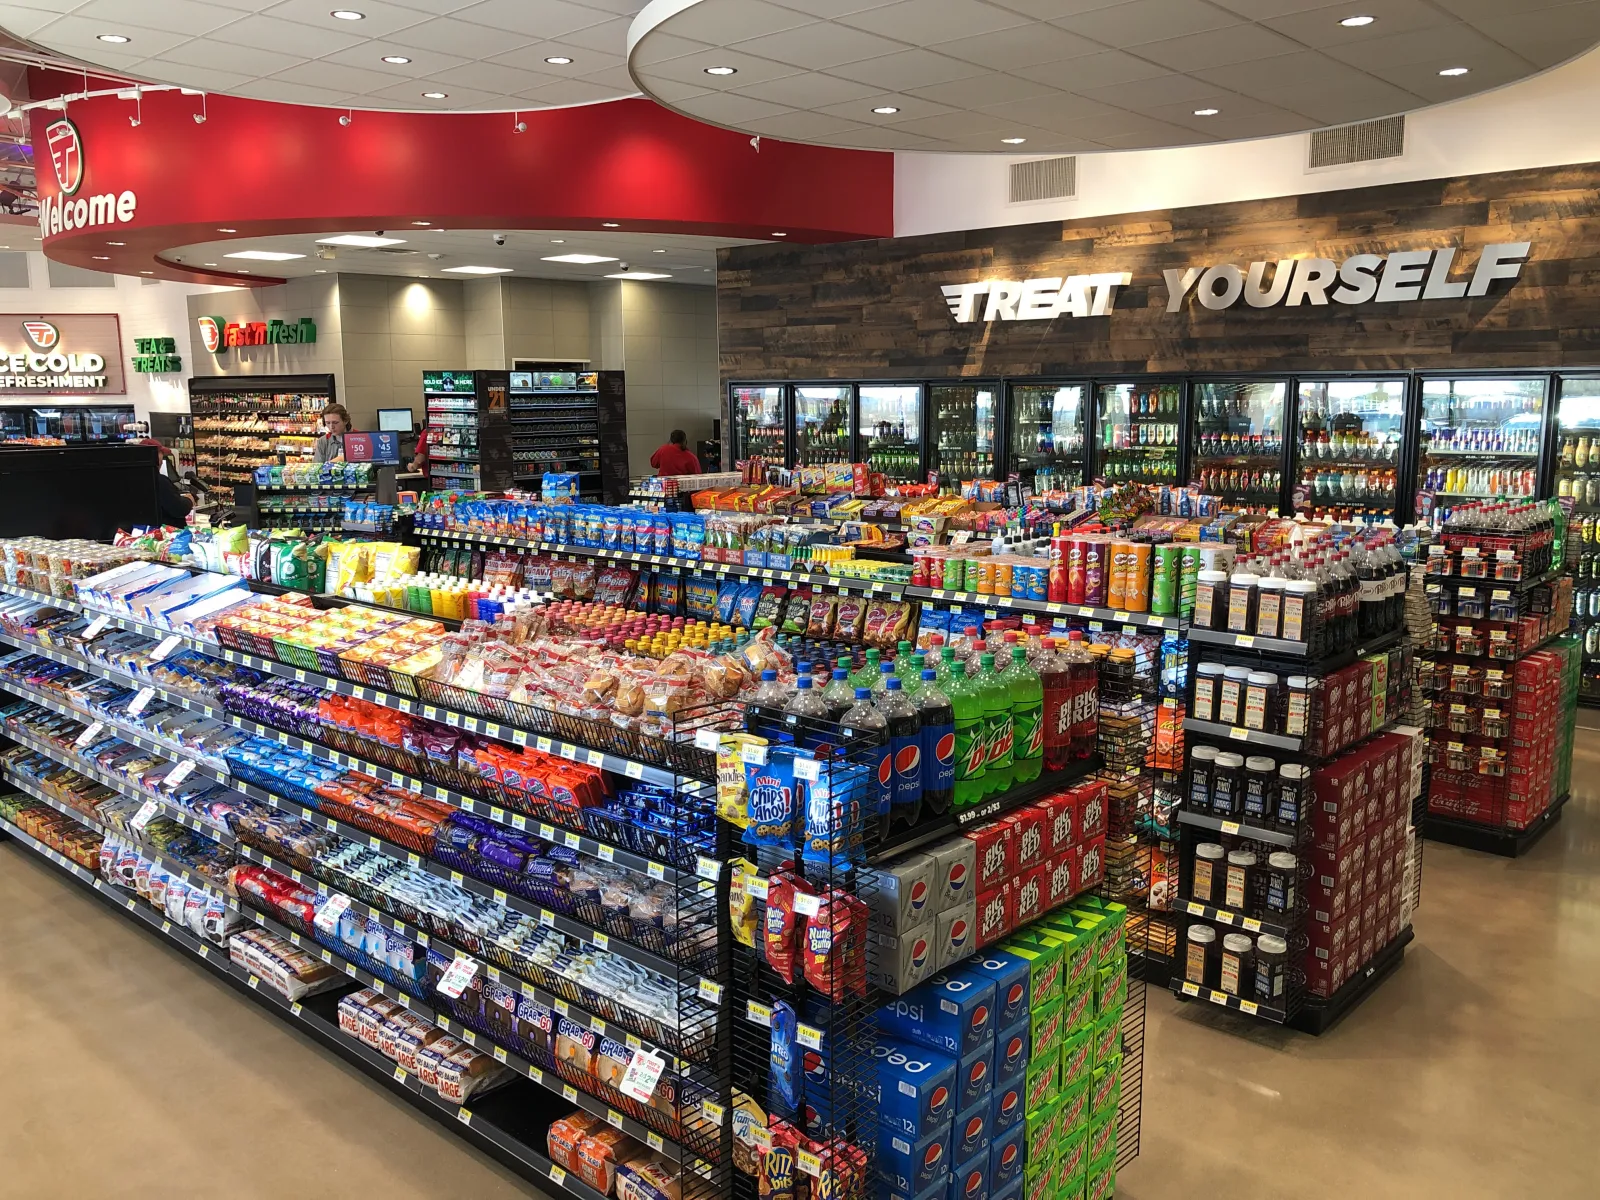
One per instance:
[(116, 39), (658, 252), (1454, 71), (581, 259), (780, 235), (365, 240), (264, 255), (398, 60), (885, 110), (116, 243), (479, 270), (209, 264), (609, 224), (101, 257), (558, 241), (227, 231), (1013, 141), (1206, 112), (638, 275), (147, 272), (422, 222), (1357, 22), (559, 60), (244, 270), (321, 271), (435, 95), (348, 14), (722, 70)]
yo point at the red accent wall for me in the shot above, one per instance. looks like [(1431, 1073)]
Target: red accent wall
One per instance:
[(265, 168)]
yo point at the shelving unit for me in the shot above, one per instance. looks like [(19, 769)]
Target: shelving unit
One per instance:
[(244, 422), (555, 424)]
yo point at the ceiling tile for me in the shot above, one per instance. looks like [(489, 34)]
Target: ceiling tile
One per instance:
[(670, 91), (726, 21), (1022, 46), (25, 22), (820, 45), (1304, 68), (907, 69), (410, 96), (609, 37), (285, 37), (809, 91), (1052, 10), (1320, 26), (205, 77), (1094, 70), (982, 90), (1140, 21), (1254, 125), (542, 19), (616, 77), (224, 56), (1447, 45), (1227, 104), (1038, 142), (1167, 136), (802, 126), (185, 16), (827, 10), (370, 55), (1424, 79), (1339, 104), (663, 47), (382, 18), (911, 107), (74, 33), (931, 23), (1262, 10), (1546, 37), (352, 81), (691, 69), (493, 76), (1217, 48), (1164, 89), (458, 37), (568, 91), (887, 139), (1472, 10), (724, 108), (292, 93), (1062, 111)]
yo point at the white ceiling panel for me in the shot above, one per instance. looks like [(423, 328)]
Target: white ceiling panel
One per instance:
[(79, 36), (1019, 46), (1139, 21), (564, 92), (819, 46), (1094, 70), (908, 69), (24, 22), (542, 19), (802, 126), (459, 37), (190, 16), (225, 56), (1218, 48), (1319, 27), (928, 24), (809, 91), (302, 41), (983, 90), (725, 22)]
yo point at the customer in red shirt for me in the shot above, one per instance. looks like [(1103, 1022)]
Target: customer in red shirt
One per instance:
[(674, 458)]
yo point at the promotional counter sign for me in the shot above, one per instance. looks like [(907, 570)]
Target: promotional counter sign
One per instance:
[(61, 355), (218, 334), (156, 355)]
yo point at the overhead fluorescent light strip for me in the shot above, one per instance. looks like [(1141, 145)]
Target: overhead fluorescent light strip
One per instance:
[(479, 270), (581, 259), (365, 240), (264, 255)]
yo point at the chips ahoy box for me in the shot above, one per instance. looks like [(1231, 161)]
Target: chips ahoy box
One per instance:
[(948, 1013), (916, 1088)]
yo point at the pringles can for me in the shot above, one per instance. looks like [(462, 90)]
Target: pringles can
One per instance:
[(1164, 582), (1136, 576)]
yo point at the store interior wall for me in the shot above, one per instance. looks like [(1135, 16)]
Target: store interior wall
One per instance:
[(154, 308), (670, 356), (391, 330), (316, 297), (1538, 122)]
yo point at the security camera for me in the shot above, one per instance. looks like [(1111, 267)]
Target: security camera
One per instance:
[(624, 266), (499, 239), (344, 119), (377, 233)]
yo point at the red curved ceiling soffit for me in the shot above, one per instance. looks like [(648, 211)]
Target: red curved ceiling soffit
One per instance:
[(262, 169)]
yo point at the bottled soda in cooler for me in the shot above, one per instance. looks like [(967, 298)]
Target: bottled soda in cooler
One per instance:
[(972, 740), (905, 753), (865, 717), (1027, 716), (938, 745), (997, 717)]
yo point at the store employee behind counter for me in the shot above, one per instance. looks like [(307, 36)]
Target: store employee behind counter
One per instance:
[(335, 424), (675, 458)]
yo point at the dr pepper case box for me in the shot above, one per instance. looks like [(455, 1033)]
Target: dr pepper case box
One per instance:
[(994, 852), (996, 914), (1028, 837), (955, 873)]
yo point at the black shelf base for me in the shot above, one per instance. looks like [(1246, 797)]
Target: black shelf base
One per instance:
[(1491, 839), (1316, 1016)]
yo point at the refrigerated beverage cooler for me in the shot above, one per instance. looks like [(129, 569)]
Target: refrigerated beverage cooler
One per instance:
[(75, 424), (821, 425), (889, 425), (1348, 452), (1138, 427), (760, 423), (1479, 441), (1047, 435), (1238, 442), (1577, 485), (963, 431)]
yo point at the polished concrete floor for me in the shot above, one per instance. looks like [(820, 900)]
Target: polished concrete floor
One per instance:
[(1473, 1071)]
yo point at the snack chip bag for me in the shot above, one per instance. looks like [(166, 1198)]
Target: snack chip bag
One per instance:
[(779, 936), (822, 619), (742, 900), (776, 1180), (834, 951), (796, 611), (849, 618)]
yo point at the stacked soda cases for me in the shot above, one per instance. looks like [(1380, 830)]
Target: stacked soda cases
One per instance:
[(1139, 426)]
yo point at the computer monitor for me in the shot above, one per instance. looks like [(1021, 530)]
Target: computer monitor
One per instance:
[(395, 420)]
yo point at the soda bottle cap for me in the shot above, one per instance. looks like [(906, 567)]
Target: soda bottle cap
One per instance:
[(936, 640), (872, 655), (929, 673), (886, 668), (803, 683), (768, 676), (972, 631), (838, 673), (863, 693), (844, 661), (892, 683), (987, 660), (948, 653), (1018, 654)]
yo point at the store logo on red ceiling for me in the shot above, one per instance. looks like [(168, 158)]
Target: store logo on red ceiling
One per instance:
[(69, 211), (217, 334)]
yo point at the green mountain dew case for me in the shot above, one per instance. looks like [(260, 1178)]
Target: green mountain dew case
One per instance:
[(997, 717), (972, 742), (1027, 717)]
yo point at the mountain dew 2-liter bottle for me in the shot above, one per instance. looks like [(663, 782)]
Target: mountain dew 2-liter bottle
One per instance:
[(972, 742)]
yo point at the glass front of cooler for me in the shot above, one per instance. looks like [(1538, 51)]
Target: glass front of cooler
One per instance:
[(1347, 452), (1577, 472), (963, 431), (760, 424), (1138, 431), (1479, 441), (1238, 442), (821, 424), (889, 425), (1047, 434)]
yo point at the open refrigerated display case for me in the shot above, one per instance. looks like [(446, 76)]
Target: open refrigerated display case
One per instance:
[(963, 431), (1479, 440), (1237, 447), (889, 422), (760, 422), (1349, 449), (1046, 425), (1138, 427), (821, 424)]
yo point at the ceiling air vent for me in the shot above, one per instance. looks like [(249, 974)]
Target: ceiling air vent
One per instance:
[(1044, 179), (1383, 138)]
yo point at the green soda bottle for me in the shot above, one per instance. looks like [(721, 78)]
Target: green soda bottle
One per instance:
[(911, 679), (1027, 717), (868, 674), (972, 745), (948, 667), (997, 718)]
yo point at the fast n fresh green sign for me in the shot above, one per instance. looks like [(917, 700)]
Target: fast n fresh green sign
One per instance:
[(218, 334), (156, 356)]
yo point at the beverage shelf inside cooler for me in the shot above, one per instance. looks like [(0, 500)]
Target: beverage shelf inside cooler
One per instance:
[(1183, 988), (1529, 454), (1245, 829), (1226, 916)]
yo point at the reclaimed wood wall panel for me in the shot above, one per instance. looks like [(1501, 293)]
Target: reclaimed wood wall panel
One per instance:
[(873, 310)]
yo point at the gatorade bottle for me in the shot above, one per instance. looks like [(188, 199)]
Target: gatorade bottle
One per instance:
[(938, 746), (865, 717), (972, 741), (997, 719), (1027, 716), (868, 674), (905, 751)]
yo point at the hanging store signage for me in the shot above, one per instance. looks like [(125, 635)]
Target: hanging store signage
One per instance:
[(1360, 279), (156, 355), (1034, 299), (218, 335), (69, 211), (62, 354)]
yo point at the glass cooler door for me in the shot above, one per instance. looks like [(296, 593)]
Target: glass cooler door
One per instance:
[(1479, 441), (1348, 453), (963, 431), (1047, 434), (821, 425), (1578, 480), (1138, 431), (1238, 442), (890, 427), (759, 424)]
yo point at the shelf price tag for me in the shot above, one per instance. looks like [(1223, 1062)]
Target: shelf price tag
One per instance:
[(656, 1142), (96, 627), (1239, 733), (1190, 989), (557, 1175), (178, 774), (808, 1037), (639, 1080), (807, 768), (457, 976), (89, 735), (1251, 924), (753, 753), (1244, 641), (656, 871), (138, 703), (328, 915), (808, 1162), (168, 644), (633, 771), (807, 904), (759, 1013), (712, 1111), (1248, 1006), (1231, 828), (707, 868), (142, 818)]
